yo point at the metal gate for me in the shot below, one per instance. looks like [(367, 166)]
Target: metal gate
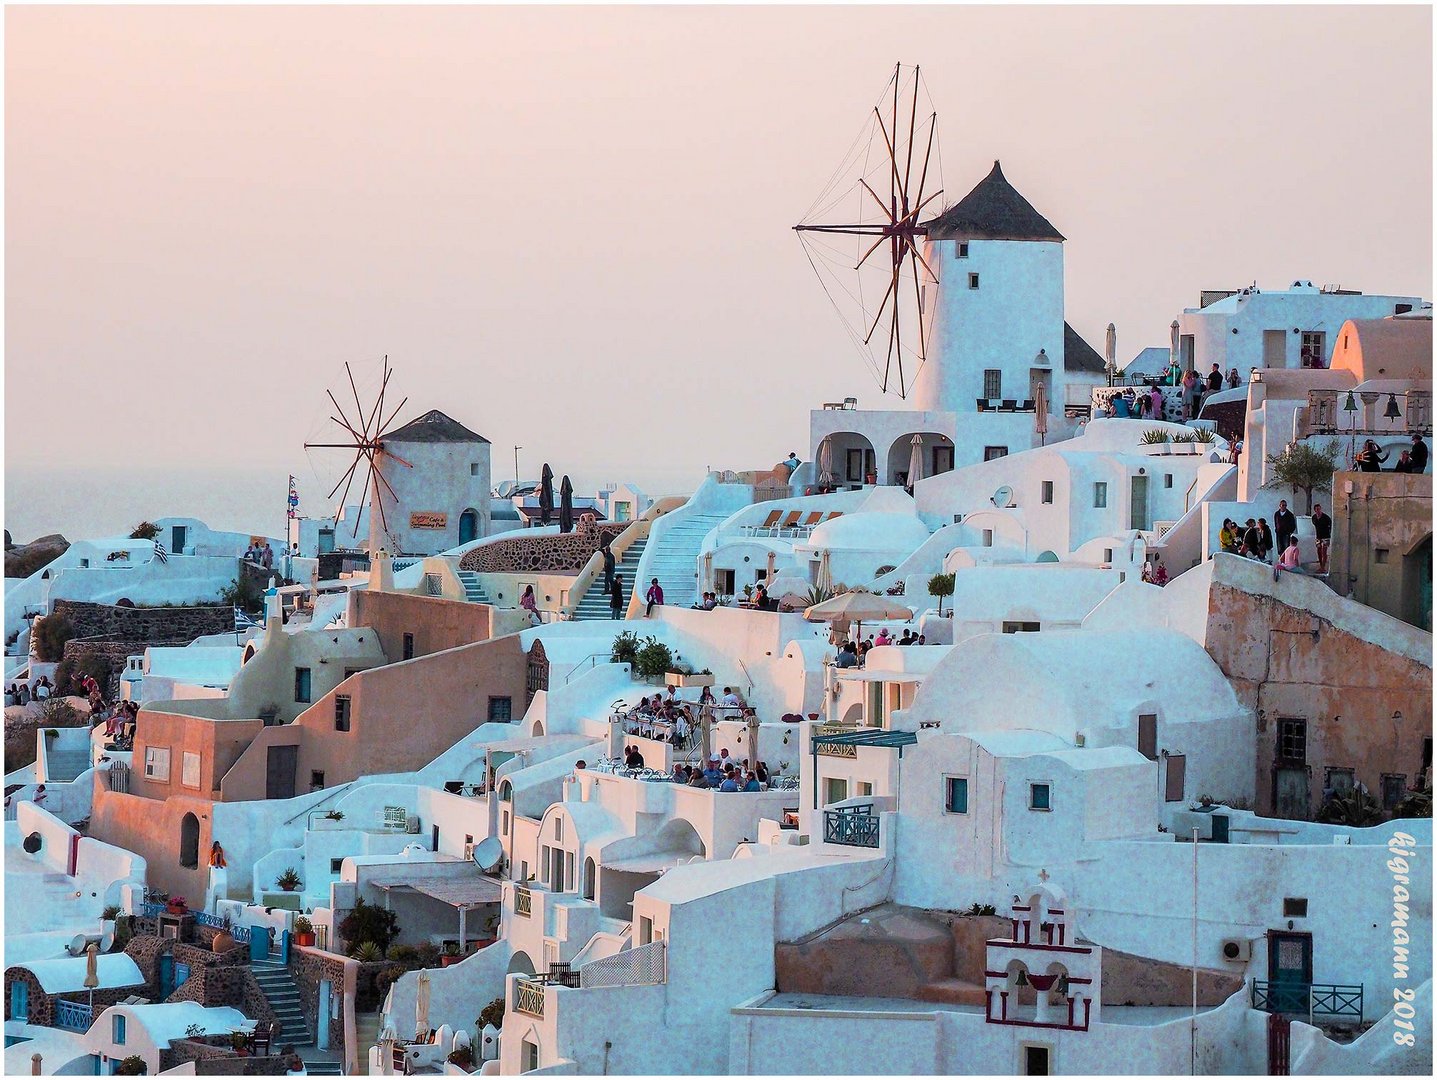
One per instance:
[(1279, 1044)]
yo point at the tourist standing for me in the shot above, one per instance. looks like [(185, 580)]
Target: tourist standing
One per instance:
[(1419, 454), (608, 555), (1322, 529), (1404, 463), (654, 597), (1284, 524), (1264, 542), (1214, 379), (1232, 379), (1155, 402), (1370, 458), (616, 595), (529, 604)]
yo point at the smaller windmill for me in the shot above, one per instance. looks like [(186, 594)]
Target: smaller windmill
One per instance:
[(366, 441)]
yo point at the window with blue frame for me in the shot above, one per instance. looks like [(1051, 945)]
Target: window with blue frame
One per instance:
[(955, 794), (118, 1026), (1040, 797), (302, 685)]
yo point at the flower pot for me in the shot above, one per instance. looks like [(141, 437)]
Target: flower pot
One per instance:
[(223, 942), (449, 958), (674, 678), (305, 939)]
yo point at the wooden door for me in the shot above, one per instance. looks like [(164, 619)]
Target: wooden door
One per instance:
[(1289, 971), (1175, 778), (1291, 798), (280, 766)]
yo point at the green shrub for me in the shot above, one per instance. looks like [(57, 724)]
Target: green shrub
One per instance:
[(145, 530), (50, 636), (302, 925), (1154, 437), (243, 593), (625, 649), (493, 1013), (134, 1065), (70, 672), (367, 953), (654, 659), (1204, 435), (370, 924)]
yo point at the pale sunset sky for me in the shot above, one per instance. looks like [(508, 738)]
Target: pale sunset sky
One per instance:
[(570, 228)]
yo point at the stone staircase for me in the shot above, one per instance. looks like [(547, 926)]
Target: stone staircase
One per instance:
[(595, 604), (278, 987), (674, 559), (366, 1034), (61, 768), (473, 591), (323, 1068)]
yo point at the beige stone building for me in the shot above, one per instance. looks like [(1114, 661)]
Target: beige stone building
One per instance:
[(1382, 542)]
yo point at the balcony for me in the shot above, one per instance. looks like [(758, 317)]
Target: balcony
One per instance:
[(73, 1015), (529, 998), (1332, 1002), (851, 826), (523, 901)]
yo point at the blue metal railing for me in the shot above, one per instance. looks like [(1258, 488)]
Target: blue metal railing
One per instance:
[(1321, 1001), (73, 1015), (852, 826)]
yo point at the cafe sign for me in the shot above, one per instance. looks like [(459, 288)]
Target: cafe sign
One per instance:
[(428, 519)]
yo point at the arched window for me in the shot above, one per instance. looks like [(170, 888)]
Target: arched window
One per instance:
[(189, 841), (590, 873)]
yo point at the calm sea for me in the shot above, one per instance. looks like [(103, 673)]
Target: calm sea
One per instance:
[(95, 502)]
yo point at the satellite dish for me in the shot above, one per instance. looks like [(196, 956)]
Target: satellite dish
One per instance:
[(77, 945), (1003, 497), (488, 854)]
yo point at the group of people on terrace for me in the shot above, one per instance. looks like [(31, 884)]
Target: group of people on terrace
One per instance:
[(854, 653), (1148, 403), (723, 773), (1371, 457), (668, 718), (1258, 540), (22, 693)]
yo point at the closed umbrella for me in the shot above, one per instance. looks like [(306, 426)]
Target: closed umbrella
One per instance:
[(915, 462), (753, 743), (1174, 329), (772, 566), (387, 1039), (546, 494), (824, 584), (1040, 413), (566, 505), (708, 571), (825, 463), (92, 970), (1112, 352), (706, 735), (421, 1006)]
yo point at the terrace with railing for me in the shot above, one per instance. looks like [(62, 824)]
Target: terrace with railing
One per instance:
[(73, 1015), (1329, 412), (851, 826), (1319, 1002)]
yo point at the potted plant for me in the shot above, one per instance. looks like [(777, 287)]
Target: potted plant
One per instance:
[(654, 659), (303, 931), (176, 905), (682, 675), (1157, 440), (463, 1056), (452, 955), (134, 1065), (289, 880)]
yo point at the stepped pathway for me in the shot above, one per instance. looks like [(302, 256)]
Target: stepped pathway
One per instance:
[(473, 591), (674, 559), (278, 987), (64, 767), (366, 1034), (595, 604)]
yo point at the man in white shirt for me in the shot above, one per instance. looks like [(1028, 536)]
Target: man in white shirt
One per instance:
[(731, 699)]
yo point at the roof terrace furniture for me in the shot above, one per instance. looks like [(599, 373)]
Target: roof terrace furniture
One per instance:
[(1009, 405), (1029, 405), (768, 523)]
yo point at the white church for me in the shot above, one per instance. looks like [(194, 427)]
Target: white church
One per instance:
[(1000, 346)]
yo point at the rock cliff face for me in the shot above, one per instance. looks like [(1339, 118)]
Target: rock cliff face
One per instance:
[(24, 559)]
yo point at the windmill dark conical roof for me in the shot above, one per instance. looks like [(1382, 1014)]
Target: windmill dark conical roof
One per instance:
[(434, 427), (992, 211), (1078, 355)]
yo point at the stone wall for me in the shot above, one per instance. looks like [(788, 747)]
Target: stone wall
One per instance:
[(563, 554), (42, 1005), (112, 653), (151, 625), (221, 1060), (310, 967)]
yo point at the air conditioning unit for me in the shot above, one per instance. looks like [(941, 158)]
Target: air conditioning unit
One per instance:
[(1236, 950), (468, 852), (412, 825)]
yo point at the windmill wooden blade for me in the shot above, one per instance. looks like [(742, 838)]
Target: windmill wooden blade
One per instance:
[(346, 477), (362, 496)]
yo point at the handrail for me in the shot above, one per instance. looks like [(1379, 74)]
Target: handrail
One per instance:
[(591, 660), (747, 676), (1187, 496), (637, 529)]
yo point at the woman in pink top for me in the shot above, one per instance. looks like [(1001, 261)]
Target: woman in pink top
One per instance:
[(1290, 561)]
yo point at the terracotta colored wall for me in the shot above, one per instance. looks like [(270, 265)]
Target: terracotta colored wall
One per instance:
[(151, 829), (1136, 980), (437, 624), (1391, 512), (218, 744), (402, 716), (1292, 663)]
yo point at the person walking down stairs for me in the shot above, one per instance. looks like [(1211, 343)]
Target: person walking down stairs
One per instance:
[(655, 596), (616, 596)]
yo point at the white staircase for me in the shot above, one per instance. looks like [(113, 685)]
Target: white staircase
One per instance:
[(673, 558), (595, 604), (62, 767), (473, 591)]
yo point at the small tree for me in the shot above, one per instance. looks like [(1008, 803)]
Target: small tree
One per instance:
[(493, 1013), (367, 923), (51, 633), (145, 530), (1305, 468), (941, 585)]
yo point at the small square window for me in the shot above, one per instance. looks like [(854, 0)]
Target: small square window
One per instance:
[(1100, 495), (501, 710), (960, 249), (1292, 741), (409, 646), (1040, 796), (1167, 480), (1037, 1060), (119, 1029), (316, 779), (1047, 491), (993, 453), (955, 795), (987, 537), (972, 281), (341, 712), (1394, 786), (1339, 782), (474, 468), (1148, 735), (1294, 907), (993, 384), (302, 685), (1380, 555), (336, 865), (1107, 555)]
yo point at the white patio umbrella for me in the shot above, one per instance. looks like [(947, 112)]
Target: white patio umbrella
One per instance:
[(1112, 350), (387, 1039), (859, 608), (708, 571), (915, 462), (825, 463), (825, 572), (769, 576), (421, 1006), (1040, 413), (92, 970), (1174, 331)]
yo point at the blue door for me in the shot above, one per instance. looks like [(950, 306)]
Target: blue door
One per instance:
[(259, 943), (182, 975), (468, 526), (167, 976), (178, 535), (19, 1000), (321, 1038)]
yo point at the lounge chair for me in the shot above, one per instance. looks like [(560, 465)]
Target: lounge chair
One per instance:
[(768, 524), (789, 523)]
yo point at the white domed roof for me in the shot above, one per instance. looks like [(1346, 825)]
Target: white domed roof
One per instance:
[(872, 531)]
